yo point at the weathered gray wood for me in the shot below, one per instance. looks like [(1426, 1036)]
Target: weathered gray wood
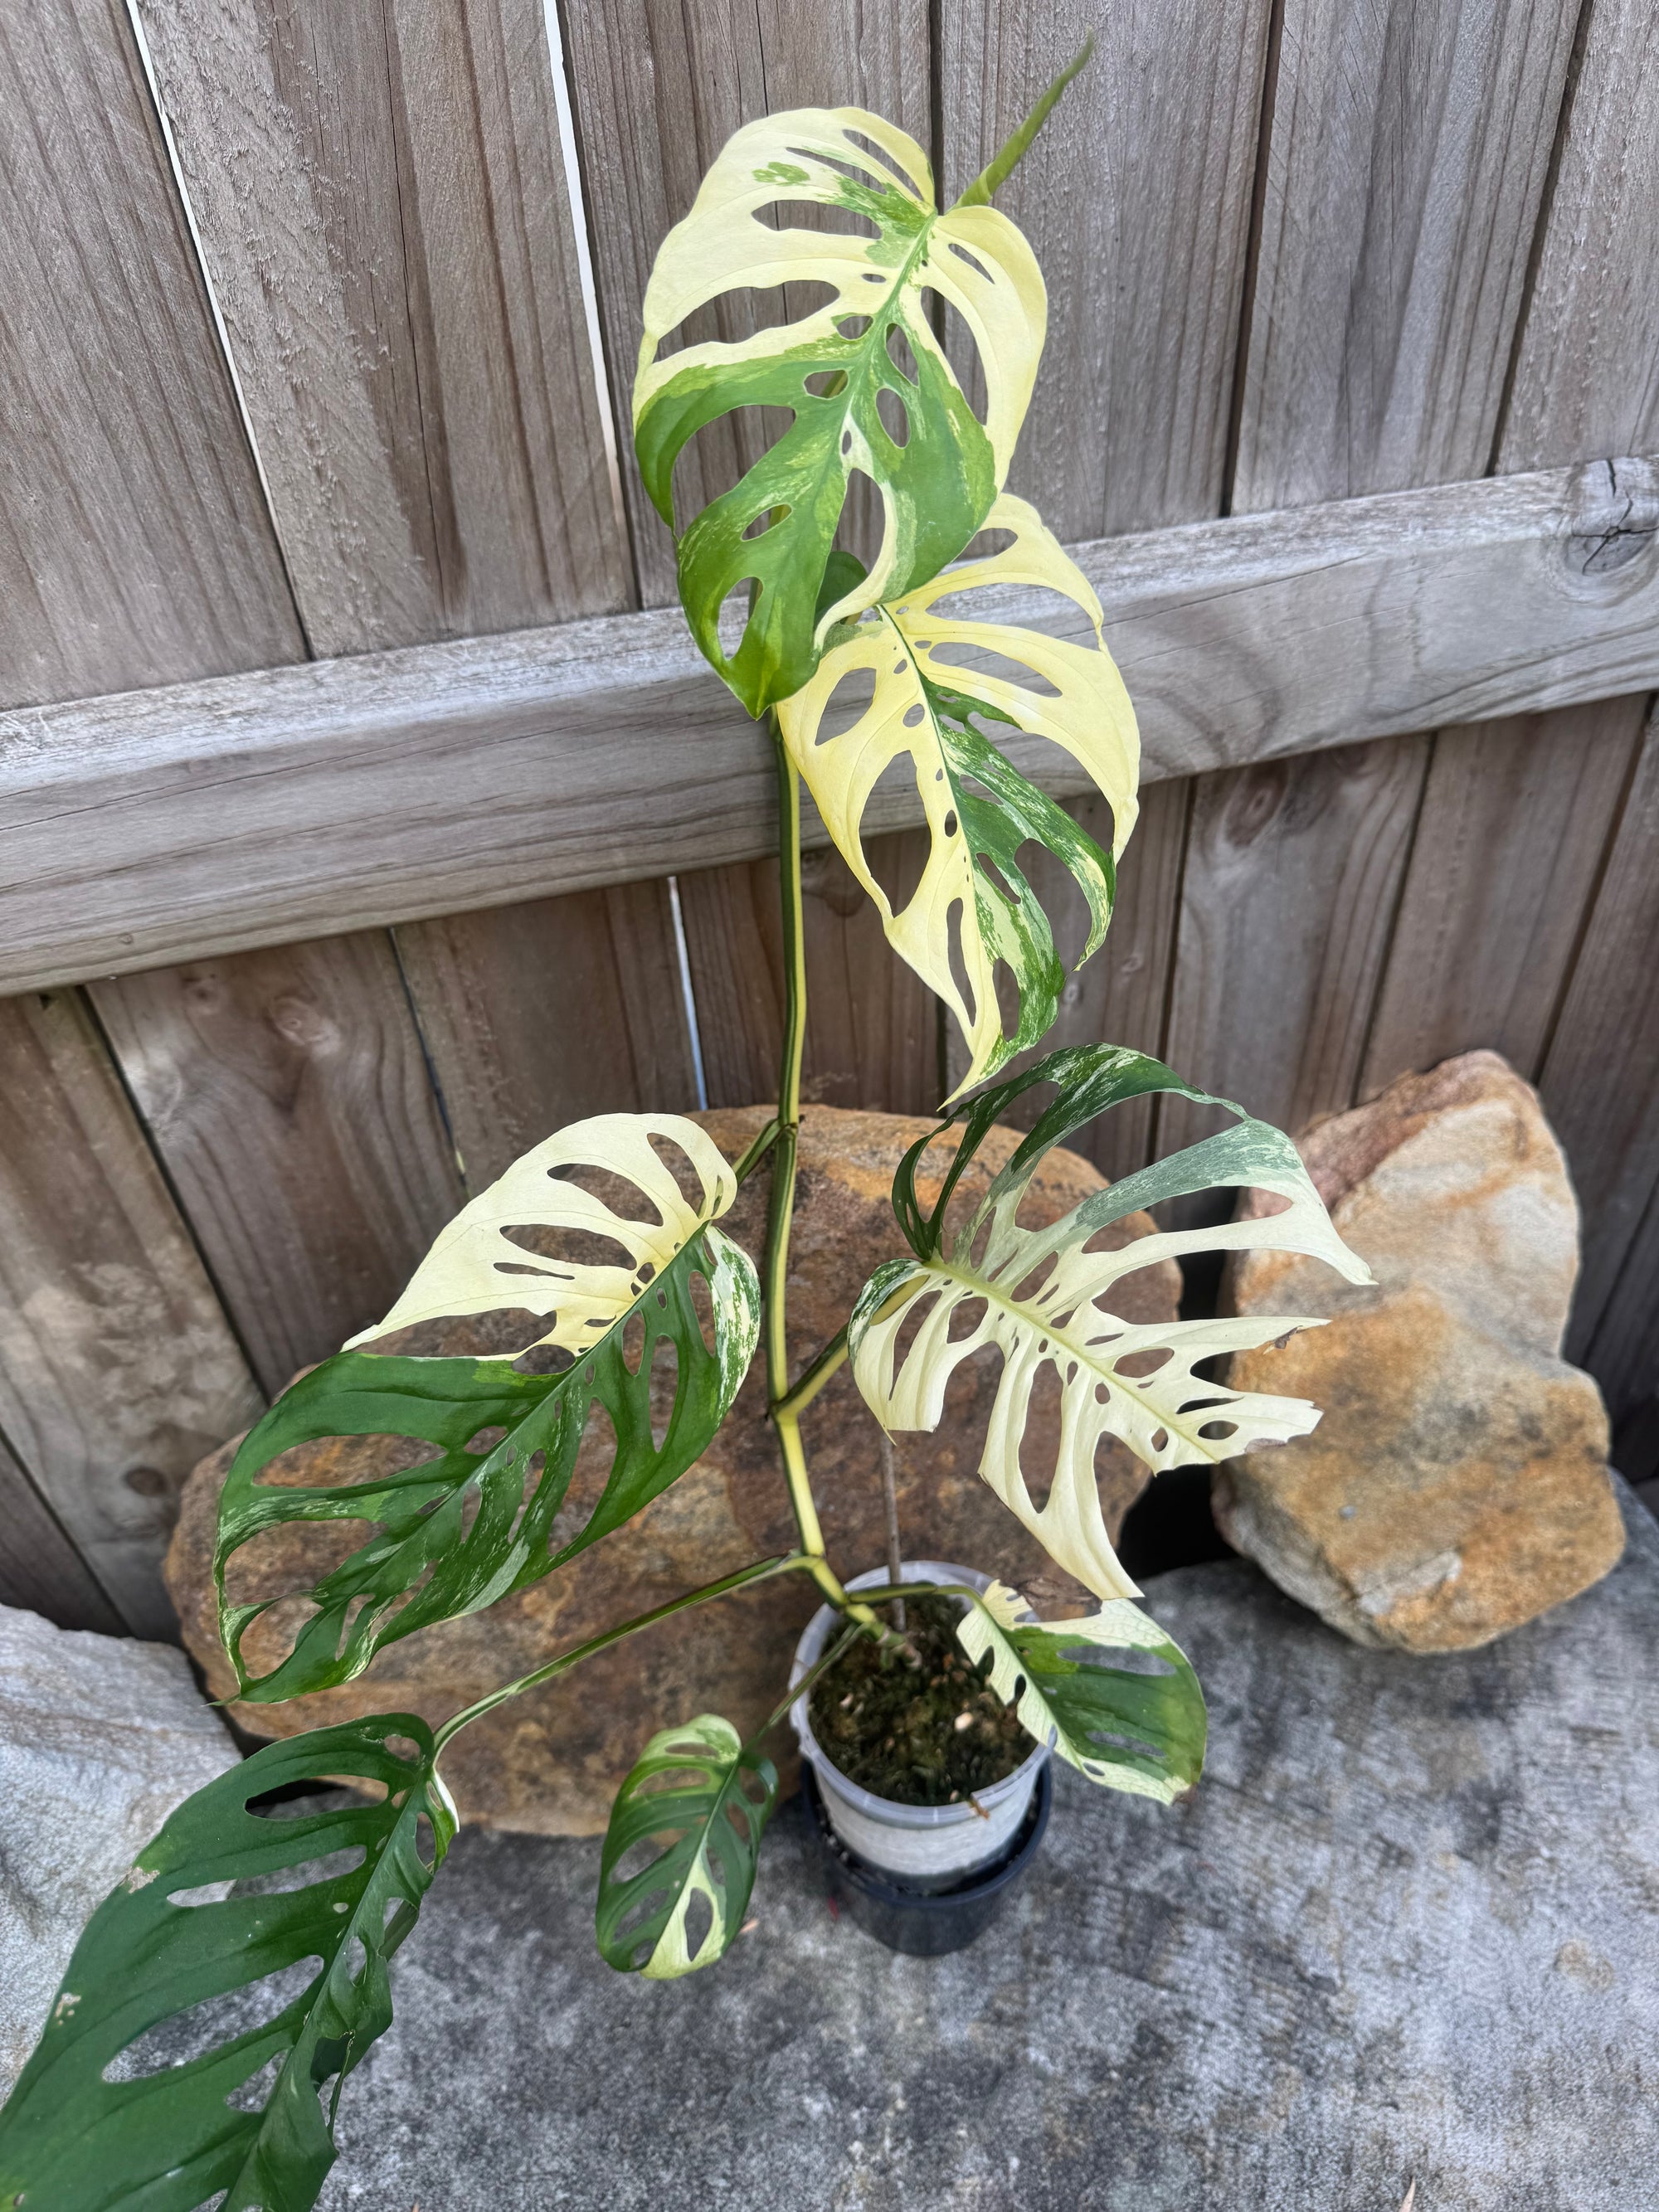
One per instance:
[(1601, 1082), (538, 1014), (873, 1036), (1293, 871), (135, 547), (1587, 373), (659, 87), (1137, 197), (1409, 149), (40, 1570), (287, 1094), (1515, 820), (117, 1370), (172, 823), (383, 209)]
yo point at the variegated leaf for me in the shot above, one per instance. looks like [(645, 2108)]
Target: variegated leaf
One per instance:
[(704, 1797), (833, 370), (1042, 1299), (1139, 1727), (454, 1532), (945, 675)]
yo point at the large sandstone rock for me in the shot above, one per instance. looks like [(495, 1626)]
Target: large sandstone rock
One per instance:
[(101, 1737), (550, 1762), (1457, 1484)]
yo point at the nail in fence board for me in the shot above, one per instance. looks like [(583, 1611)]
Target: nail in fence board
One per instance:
[(383, 214), (1514, 824), (657, 89), (288, 1094), (540, 1014), (117, 1370), (1137, 199), (135, 548)]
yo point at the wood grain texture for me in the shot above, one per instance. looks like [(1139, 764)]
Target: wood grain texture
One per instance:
[(135, 547), (872, 1029), (117, 1370), (537, 1015), (1587, 372), (1137, 199), (657, 89), (384, 214), (288, 1098), (1600, 1076), (170, 825), (40, 1570), (1515, 820), (1409, 149), (1293, 873)]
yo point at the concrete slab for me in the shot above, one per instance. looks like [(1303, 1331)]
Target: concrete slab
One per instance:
[(1407, 1928)]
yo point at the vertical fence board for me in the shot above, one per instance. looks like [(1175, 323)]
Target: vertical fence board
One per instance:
[(873, 1031), (1409, 151), (288, 1098), (381, 199), (135, 547), (1587, 374), (1515, 817), (117, 1367), (537, 1015), (1137, 199), (659, 88), (1601, 1082), (40, 1570), (1292, 874)]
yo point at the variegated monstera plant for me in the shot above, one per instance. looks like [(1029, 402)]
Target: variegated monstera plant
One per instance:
[(609, 1231)]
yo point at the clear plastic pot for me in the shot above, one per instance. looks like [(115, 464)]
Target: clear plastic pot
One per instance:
[(924, 1847)]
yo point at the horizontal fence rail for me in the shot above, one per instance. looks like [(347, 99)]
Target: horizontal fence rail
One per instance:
[(317, 799)]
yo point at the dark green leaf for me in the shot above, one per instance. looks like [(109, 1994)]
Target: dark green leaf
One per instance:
[(99, 2124)]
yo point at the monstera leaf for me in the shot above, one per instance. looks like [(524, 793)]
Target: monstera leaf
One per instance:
[(1139, 1727), (260, 1999), (455, 1531), (1040, 1297), (862, 377), (930, 707), (704, 1797)]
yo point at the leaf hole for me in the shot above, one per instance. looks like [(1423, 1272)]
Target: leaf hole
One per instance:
[(484, 1441), (895, 416), (973, 261), (699, 1920), (900, 353), (196, 2031), (819, 215), (850, 327), (768, 519)]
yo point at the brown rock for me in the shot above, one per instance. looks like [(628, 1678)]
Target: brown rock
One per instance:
[(1457, 1484), (551, 1761)]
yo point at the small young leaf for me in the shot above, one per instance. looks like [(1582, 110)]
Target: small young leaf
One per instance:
[(454, 1532), (1042, 1294), (829, 369), (925, 704), (1139, 1727), (90, 2127), (705, 1797)]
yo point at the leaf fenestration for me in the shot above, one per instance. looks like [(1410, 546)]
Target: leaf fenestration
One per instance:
[(829, 368), (705, 1796), (933, 709), (455, 1531), (1139, 1727), (1044, 1291), (89, 2128)]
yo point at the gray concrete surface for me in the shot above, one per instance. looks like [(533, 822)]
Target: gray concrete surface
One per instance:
[(1408, 1928)]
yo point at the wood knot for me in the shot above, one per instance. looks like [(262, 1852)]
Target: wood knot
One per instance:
[(1615, 515)]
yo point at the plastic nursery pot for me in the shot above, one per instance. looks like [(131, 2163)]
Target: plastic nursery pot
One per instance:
[(916, 1851)]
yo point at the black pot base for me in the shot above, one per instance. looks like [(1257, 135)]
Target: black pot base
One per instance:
[(924, 1924)]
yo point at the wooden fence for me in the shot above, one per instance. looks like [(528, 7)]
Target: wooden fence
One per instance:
[(365, 816)]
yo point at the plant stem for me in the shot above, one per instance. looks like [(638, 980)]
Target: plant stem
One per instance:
[(758, 1570), (895, 1551), (760, 1145), (800, 1396)]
